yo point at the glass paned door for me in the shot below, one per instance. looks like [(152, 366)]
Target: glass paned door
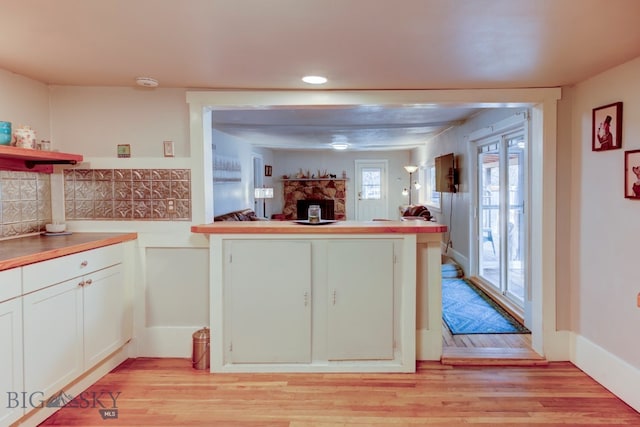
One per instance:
[(502, 221), (516, 225), (489, 213), (371, 179)]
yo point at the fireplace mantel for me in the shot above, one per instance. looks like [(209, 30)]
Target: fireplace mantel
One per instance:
[(314, 179)]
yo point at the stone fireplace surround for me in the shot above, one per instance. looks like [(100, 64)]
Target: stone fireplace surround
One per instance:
[(314, 189)]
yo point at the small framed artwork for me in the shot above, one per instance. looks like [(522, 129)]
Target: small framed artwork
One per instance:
[(268, 170), (168, 148), (607, 127), (632, 174), (124, 150)]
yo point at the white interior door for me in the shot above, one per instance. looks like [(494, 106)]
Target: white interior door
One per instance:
[(371, 189)]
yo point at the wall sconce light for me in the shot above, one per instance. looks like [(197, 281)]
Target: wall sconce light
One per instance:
[(263, 193), (411, 169)]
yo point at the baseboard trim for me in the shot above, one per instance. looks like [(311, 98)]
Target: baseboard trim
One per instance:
[(613, 373)]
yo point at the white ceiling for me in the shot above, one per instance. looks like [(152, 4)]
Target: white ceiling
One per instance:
[(357, 44)]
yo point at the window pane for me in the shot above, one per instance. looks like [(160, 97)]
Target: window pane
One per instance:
[(371, 184), (433, 196)]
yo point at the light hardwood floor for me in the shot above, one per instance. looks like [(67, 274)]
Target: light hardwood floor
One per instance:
[(169, 392)]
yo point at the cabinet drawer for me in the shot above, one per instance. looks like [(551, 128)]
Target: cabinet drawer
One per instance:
[(10, 284), (42, 274)]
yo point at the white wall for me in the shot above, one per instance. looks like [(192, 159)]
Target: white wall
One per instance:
[(94, 120), (605, 226), (24, 102)]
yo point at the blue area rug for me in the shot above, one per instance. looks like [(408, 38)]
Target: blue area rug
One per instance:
[(467, 310)]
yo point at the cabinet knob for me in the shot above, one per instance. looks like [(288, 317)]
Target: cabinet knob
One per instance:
[(84, 263), (81, 283), (88, 281)]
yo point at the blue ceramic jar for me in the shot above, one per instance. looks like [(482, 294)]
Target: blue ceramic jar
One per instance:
[(5, 133)]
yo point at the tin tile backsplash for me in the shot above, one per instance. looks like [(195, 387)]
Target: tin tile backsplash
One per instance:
[(25, 202), (127, 194)]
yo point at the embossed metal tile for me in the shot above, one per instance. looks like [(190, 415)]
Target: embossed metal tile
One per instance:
[(128, 194), (25, 202)]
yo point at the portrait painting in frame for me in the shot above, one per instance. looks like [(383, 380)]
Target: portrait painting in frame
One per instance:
[(607, 127), (632, 174)]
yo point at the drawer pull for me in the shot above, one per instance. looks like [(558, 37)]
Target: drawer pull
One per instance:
[(84, 263)]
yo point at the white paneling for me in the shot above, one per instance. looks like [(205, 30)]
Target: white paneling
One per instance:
[(177, 287)]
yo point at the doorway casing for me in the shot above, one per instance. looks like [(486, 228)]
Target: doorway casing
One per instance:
[(546, 340)]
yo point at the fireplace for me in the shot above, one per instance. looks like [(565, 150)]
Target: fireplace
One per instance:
[(315, 191), (326, 208)]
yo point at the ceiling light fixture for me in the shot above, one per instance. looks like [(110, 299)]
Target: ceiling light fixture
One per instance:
[(314, 80), (146, 82), (339, 145)]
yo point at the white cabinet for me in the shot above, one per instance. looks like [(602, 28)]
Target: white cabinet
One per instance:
[(10, 346), (71, 325), (360, 280), (106, 318), (268, 302), (52, 338), (312, 304)]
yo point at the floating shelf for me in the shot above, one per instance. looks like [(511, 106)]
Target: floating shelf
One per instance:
[(25, 159)]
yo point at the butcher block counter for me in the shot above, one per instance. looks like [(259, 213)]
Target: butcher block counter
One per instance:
[(337, 227), (343, 296), (30, 249)]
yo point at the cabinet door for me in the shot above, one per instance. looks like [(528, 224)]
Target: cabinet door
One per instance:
[(360, 306), (107, 316), (268, 301), (52, 337), (11, 360)]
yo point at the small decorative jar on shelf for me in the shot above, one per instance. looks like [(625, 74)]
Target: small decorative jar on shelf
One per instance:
[(5, 133), (25, 137)]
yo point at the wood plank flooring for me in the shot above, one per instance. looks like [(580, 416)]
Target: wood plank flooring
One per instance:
[(169, 392), (488, 349)]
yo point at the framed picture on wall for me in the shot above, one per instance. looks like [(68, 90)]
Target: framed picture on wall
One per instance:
[(607, 127), (632, 174)]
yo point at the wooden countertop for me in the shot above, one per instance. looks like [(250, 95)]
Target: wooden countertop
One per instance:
[(27, 250), (338, 227)]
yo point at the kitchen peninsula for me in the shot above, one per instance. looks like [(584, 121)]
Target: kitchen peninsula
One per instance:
[(343, 296)]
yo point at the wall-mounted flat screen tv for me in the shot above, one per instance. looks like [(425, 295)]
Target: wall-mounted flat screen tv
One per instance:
[(446, 174)]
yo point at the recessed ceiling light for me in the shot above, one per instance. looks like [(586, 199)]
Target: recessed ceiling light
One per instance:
[(314, 80), (146, 82), (339, 145)]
